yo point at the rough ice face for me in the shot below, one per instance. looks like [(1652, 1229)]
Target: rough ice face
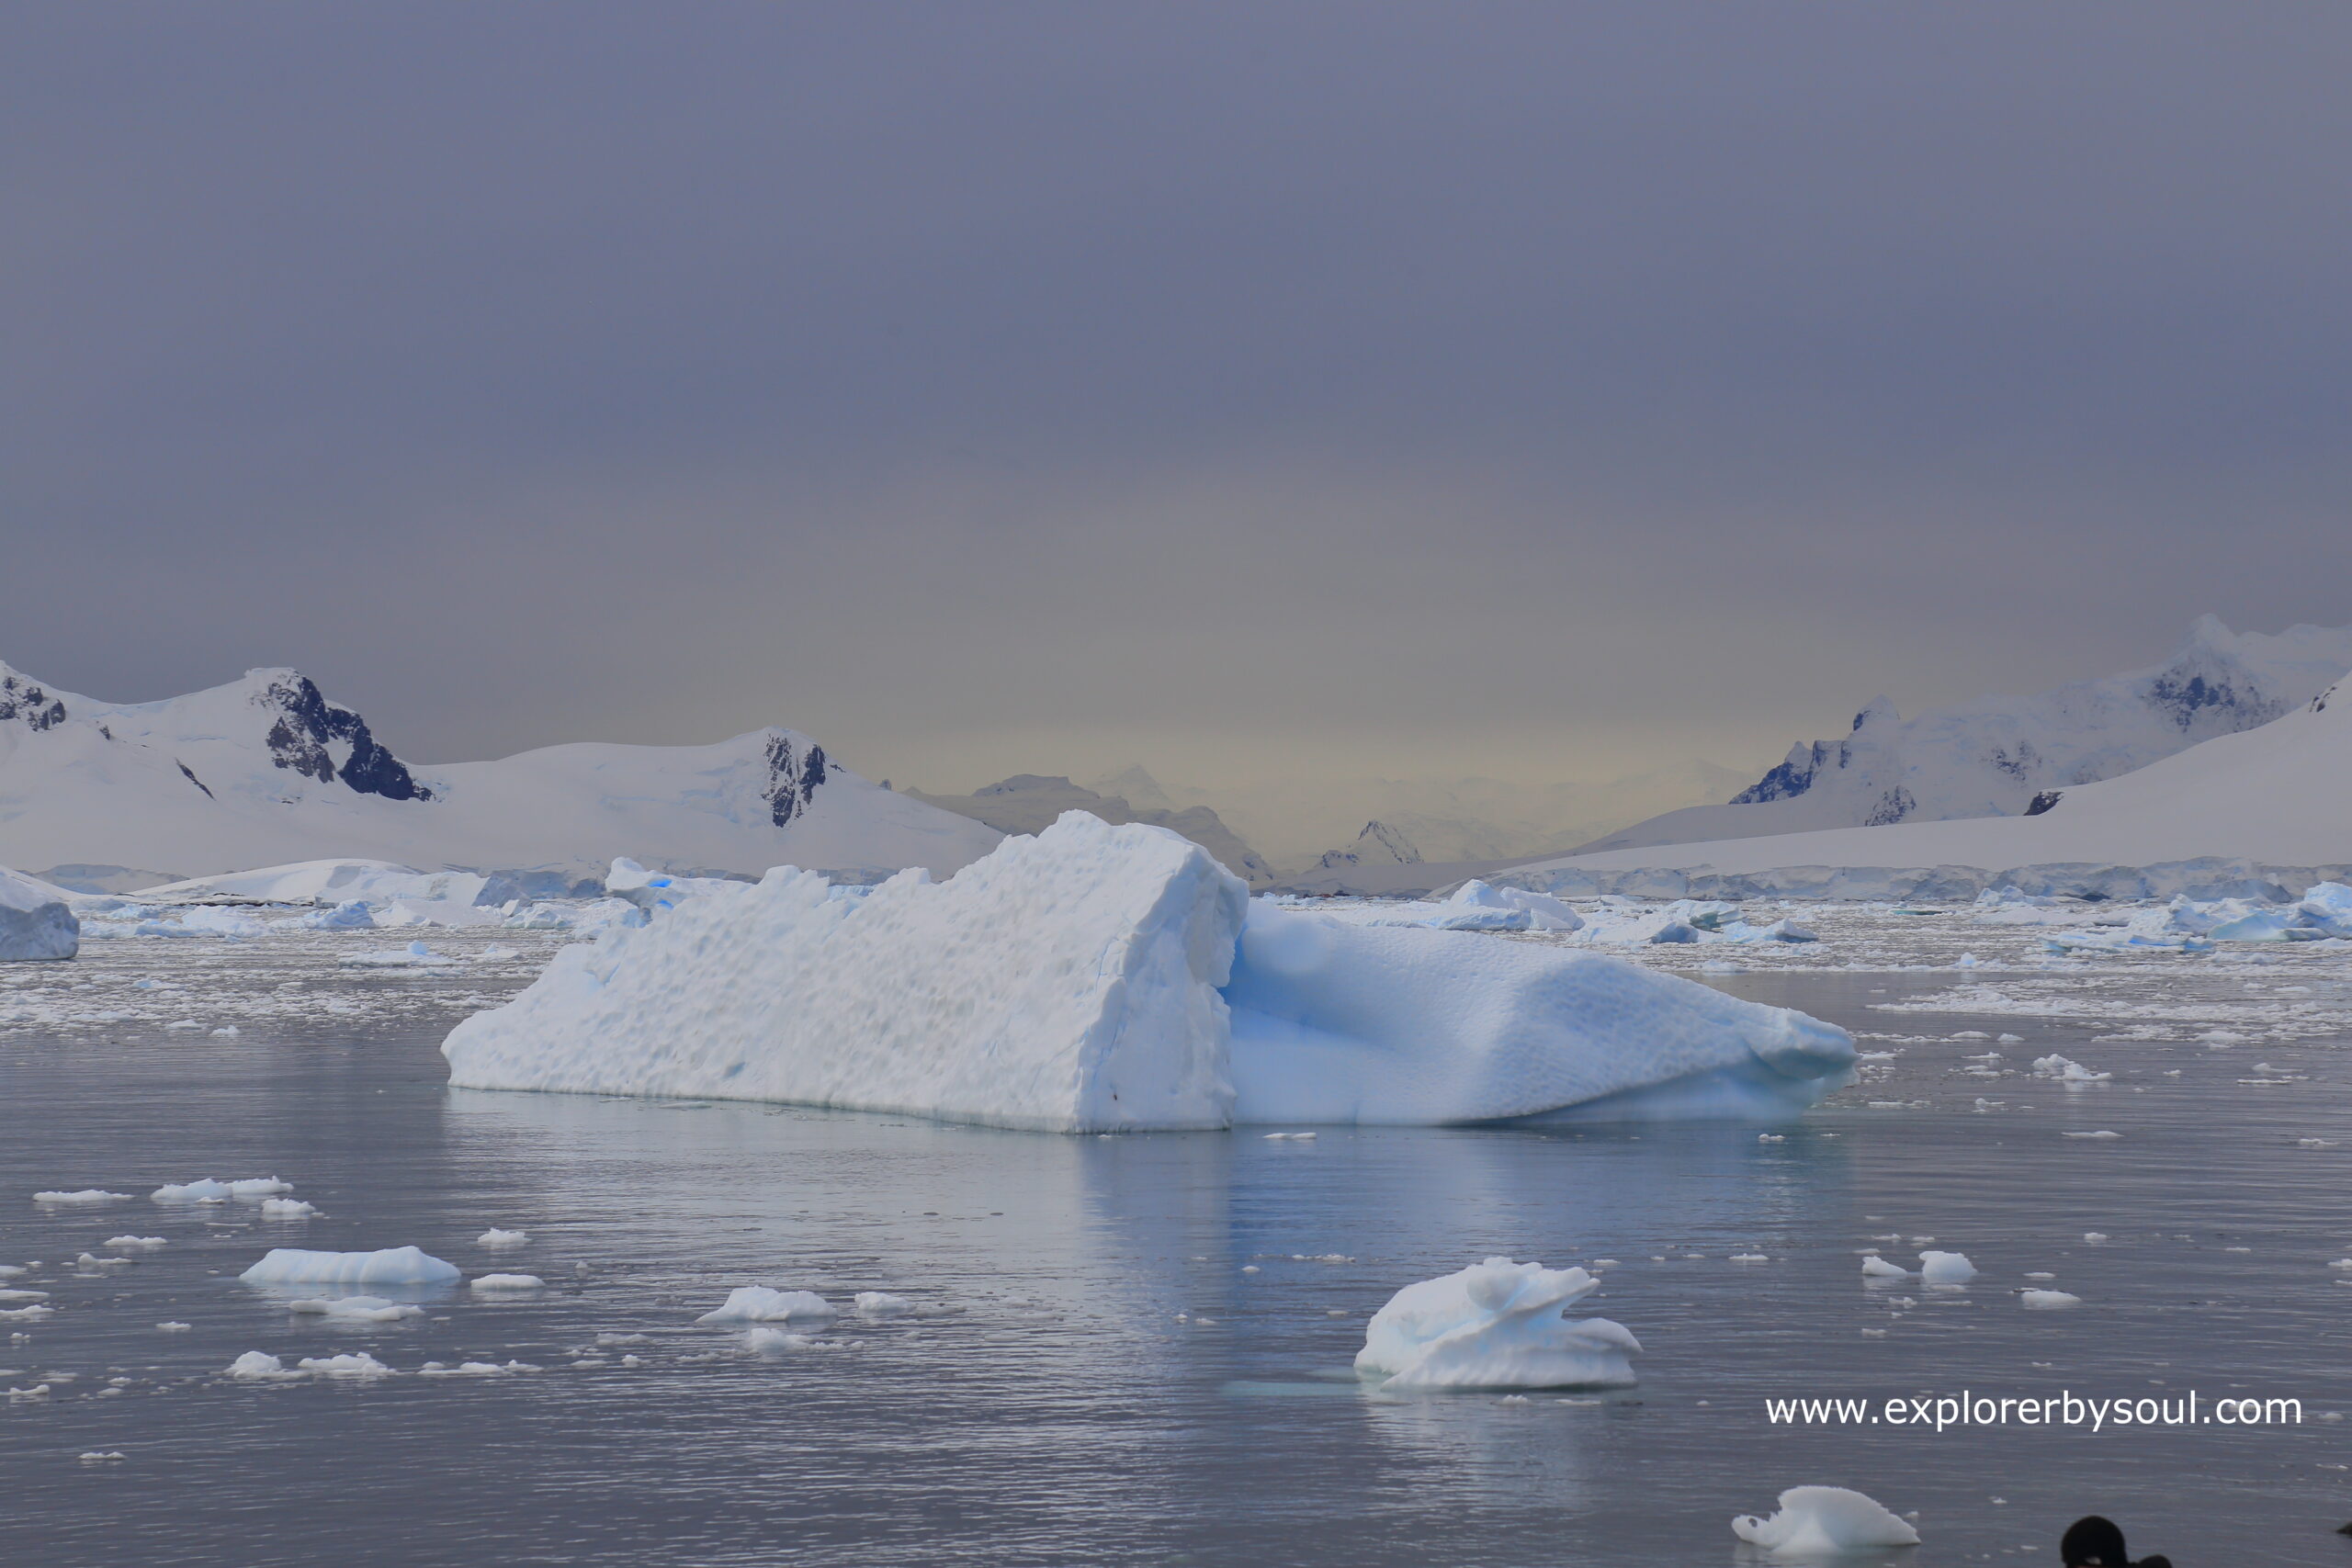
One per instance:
[(35, 923), (391, 1266), (1495, 1325), (1067, 983), (1343, 1023), (1815, 1521)]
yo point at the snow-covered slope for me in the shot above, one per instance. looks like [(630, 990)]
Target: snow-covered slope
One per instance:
[(265, 771), (2278, 795), (1994, 756)]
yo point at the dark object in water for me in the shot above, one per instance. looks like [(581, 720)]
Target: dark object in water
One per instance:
[(2095, 1542)]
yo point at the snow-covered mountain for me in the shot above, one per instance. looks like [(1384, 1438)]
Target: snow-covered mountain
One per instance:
[(1031, 803), (265, 770), (2274, 796), (1997, 756), (1378, 844)]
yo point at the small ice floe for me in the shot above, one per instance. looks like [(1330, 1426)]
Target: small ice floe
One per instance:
[(2314, 1143), (2040, 1274), (776, 1341), (33, 1314), (86, 1196), (758, 1303), (2101, 1133), (881, 1304), (2094, 1237), (1822, 1520), (494, 1284), (135, 1242), (12, 1297), (259, 1366), (1497, 1325), (474, 1369), (38, 1390), (1877, 1268), (173, 1328), (1945, 1268), (2047, 1301), (202, 1190), (496, 1237), (1290, 1138), (102, 1457), (2009, 1040), (1771, 1138), (356, 1309), (416, 955), (90, 1263), (352, 1364), (1749, 1257), (388, 1265), (259, 1187), (287, 1208), (226, 1031), (2065, 1071), (1985, 1107)]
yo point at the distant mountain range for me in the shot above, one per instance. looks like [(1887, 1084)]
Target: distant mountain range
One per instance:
[(2008, 756), (1028, 803), (266, 770)]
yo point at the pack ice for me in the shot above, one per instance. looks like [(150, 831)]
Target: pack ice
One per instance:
[(35, 920), (1099, 978)]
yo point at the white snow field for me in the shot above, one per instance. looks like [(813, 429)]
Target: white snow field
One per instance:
[(1088, 979), (1993, 756), (266, 770), (1817, 1521), (1492, 1326), (37, 921), (2264, 808)]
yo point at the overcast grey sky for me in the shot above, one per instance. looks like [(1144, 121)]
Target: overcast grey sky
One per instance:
[(1247, 389)]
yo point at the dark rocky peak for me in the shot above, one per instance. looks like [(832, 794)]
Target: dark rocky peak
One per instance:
[(1030, 784), (314, 738), (24, 701), (794, 776)]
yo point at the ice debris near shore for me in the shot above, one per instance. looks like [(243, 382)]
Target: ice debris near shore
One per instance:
[(1821, 1520), (37, 923), (1496, 1324), (1099, 978), (389, 1266)]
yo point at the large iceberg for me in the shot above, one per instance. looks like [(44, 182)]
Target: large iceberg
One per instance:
[(1496, 1324), (35, 920), (1097, 978)]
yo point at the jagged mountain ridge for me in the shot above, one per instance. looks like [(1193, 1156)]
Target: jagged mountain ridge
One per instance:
[(1029, 803), (266, 770), (1995, 756)]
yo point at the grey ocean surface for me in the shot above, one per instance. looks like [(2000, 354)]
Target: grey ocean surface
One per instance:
[(1096, 1376)]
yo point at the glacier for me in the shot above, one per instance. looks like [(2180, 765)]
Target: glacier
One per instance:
[(37, 920), (1098, 978)]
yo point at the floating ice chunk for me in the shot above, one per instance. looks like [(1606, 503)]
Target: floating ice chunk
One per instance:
[(258, 1366), (881, 1304), (1290, 1138), (390, 1266), (174, 1327), (258, 1187), (202, 1190), (2047, 1301), (2010, 1039), (1496, 1324), (13, 1296), (771, 1341), (356, 1309), (496, 1282), (89, 1263), (1105, 1013), (758, 1303), (1945, 1268), (2101, 1133), (1820, 1520), (416, 955), (1877, 1268), (37, 923), (2094, 1237), (102, 1457), (135, 1242), (496, 1237), (287, 1208), (474, 1369), (354, 1364), (87, 1195), (2056, 1067)]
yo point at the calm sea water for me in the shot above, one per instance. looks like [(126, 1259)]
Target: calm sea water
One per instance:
[(1136, 1349)]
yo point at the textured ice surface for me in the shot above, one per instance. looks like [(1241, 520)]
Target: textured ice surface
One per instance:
[(1945, 1268), (1821, 1520), (1495, 1325), (36, 922), (496, 1282), (391, 1266), (1066, 982)]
